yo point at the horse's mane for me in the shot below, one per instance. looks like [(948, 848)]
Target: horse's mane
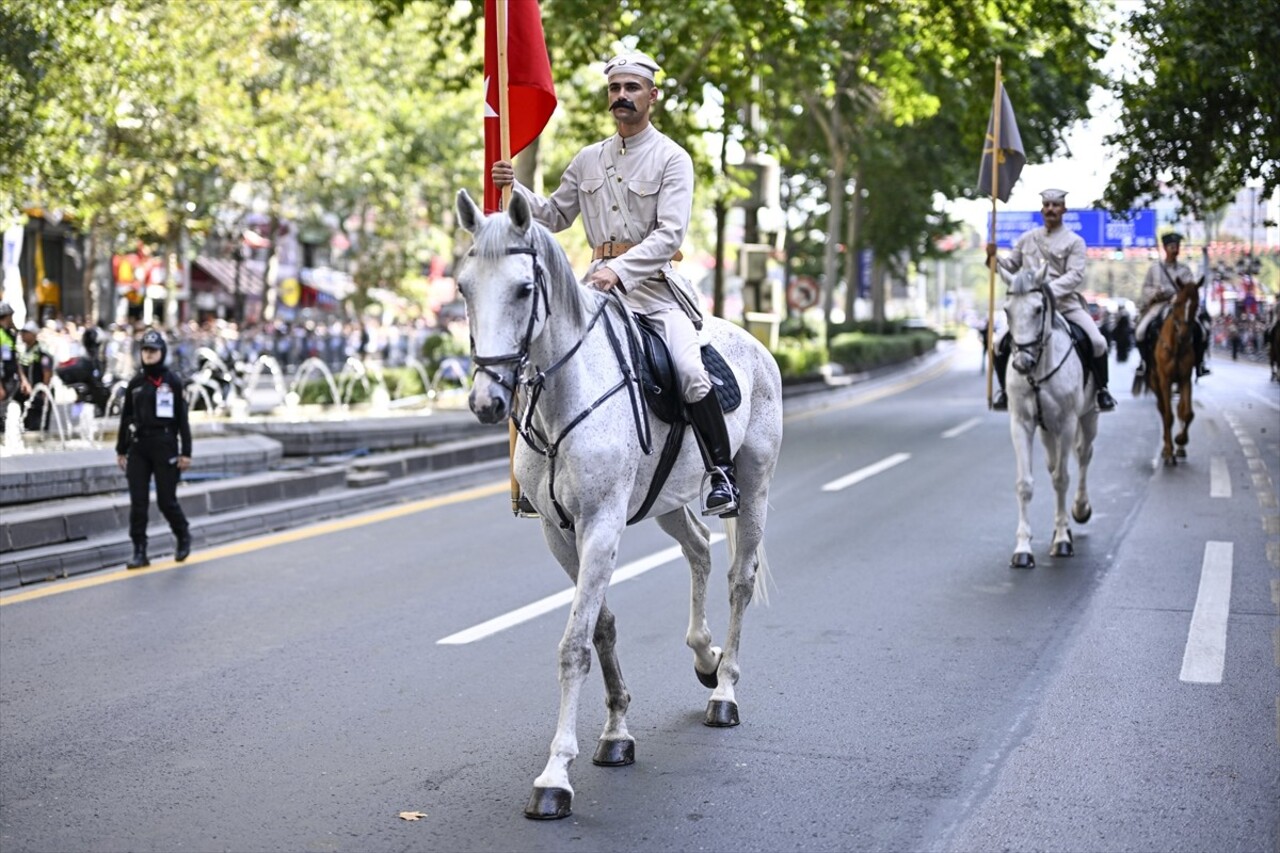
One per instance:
[(568, 298)]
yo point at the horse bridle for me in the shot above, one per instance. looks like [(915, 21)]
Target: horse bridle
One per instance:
[(1037, 346), (539, 443), (485, 363)]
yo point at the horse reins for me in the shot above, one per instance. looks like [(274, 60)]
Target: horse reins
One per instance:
[(533, 437)]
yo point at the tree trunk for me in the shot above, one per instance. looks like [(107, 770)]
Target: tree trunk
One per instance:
[(91, 308), (853, 268)]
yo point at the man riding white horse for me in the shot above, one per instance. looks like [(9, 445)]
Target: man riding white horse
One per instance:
[(634, 191), (1064, 251), (1161, 285)]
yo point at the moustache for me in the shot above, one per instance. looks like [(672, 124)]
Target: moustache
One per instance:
[(623, 102)]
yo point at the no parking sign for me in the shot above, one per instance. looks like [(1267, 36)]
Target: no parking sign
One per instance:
[(802, 293)]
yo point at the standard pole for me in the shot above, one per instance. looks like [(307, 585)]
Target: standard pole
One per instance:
[(504, 143), (997, 105)]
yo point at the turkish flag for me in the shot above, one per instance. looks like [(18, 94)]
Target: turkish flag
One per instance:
[(531, 95)]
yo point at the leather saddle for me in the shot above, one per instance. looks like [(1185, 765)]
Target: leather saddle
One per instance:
[(661, 385), (1083, 346)]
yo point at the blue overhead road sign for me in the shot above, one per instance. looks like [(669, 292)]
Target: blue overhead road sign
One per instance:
[(1098, 228)]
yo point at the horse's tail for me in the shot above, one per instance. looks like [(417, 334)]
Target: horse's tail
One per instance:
[(764, 578)]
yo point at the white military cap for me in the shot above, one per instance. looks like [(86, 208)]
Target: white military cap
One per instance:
[(1054, 195), (639, 64)]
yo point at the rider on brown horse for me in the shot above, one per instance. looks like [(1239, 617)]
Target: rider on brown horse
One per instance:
[(1160, 286)]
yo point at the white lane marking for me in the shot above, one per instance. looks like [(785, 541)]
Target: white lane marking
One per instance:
[(964, 427), (1206, 652), (1219, 477), (561, 599), (1266, 401), (863, 473)]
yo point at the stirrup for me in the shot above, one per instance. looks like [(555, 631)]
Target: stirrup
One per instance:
[(521, 508), (1201, 370), (1106, 402), (1000, 402), (725, 509)]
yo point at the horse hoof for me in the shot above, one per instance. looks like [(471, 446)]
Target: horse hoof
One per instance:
[(548, 804), (1063, 549), (1081, 516), (709, 680), (1170, 462), (1022, 560), (1181, 453), (721, 714), (614, 753)]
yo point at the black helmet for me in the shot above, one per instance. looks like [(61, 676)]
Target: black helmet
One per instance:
[(152, 339)]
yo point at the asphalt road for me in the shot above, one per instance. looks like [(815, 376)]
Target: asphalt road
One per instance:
[(903, 690)]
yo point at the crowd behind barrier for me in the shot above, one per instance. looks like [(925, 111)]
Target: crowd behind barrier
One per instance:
[(289, 344)]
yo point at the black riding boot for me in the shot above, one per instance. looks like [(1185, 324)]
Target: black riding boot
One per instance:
[(1100, 370), (139, 558), (1202, 347), (1000, 402), (717, 455), (183, 549)]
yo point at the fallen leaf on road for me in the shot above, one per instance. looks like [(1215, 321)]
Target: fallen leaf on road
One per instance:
[(412, 815)]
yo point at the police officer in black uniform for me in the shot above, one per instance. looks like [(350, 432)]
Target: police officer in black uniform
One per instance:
[(154, 439)]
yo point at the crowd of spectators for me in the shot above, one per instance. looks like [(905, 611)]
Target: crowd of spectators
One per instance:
[(289, 344)]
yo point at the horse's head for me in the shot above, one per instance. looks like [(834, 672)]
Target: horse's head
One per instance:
[(1029, 308), (515, 276)]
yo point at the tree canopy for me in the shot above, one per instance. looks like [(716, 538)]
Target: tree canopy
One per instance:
[(1202, 110)]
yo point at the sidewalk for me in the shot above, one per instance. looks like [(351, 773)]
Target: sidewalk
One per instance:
[(66, 513)]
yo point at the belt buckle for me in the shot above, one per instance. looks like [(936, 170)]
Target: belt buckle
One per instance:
[(608, 250)]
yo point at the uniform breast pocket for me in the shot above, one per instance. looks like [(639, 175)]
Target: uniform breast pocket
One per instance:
[(592, 193), (642, 196)]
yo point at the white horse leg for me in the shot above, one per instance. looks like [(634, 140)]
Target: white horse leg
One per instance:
[(695, 543), (1081, 511), (1058, 448), (597, 547), (1023, 487), (616, 746)]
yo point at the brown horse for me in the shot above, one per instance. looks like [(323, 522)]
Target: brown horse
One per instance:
[(1173, 367)]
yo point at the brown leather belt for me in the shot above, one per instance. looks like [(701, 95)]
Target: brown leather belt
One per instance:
[(610, 249)]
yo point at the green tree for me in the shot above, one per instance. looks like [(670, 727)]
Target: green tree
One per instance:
[(1202, 110)]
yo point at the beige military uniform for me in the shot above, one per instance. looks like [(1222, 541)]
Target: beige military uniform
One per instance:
[(1064, 250), (653, 177)]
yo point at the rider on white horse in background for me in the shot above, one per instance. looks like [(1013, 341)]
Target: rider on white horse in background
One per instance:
[(1064, 251), (634, 191), (1160, 286)]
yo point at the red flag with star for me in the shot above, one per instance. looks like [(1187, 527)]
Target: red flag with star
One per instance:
[(531, 95)]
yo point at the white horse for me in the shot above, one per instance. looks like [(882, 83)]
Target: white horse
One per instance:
[(557, 358), (1050, 390)]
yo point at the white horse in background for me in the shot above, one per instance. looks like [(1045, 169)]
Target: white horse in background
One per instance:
[(1051, 391), (560, 361)]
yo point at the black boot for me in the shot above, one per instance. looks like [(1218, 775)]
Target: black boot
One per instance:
[(1000, 402), (139, 558), (713, 440), (1105, 401), (1202, 347), (184, 546)]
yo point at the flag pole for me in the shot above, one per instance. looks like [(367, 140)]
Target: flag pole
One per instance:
[(504, 118), (997, 108), (504, 151)]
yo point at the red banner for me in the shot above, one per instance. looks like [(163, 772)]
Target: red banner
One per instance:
[(531, 97)]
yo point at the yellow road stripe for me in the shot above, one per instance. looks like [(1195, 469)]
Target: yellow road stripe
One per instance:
[(284, 538)]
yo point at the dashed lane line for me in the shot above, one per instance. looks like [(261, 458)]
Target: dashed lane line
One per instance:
[(1205, 655), (962, 428), (560, 599), (863, 473)]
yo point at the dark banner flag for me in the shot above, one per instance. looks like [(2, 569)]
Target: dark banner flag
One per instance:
[(1009, 154), (531, 93)]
